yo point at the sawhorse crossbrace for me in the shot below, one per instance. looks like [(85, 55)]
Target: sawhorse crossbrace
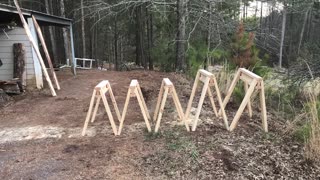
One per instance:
[(135, 91), (209, 80), (167, 88), (99, 93)]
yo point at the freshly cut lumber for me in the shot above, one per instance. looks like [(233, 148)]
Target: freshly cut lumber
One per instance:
[(135, 91), (166, 89), (209, 80), (99, 93), (45, 49), (252, 82)]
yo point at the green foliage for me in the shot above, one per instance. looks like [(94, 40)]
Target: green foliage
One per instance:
[(243, 52), (163, 55), (302, 133), (251, 22), (196, 55), (176, 142), (220, 55), (238, 94), (284, 100)]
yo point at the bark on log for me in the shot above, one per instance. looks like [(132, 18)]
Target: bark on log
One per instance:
[(19, 62)]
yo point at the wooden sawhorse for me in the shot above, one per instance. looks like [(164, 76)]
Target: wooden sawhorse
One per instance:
[(167, 88), (99, 93), (209, 80), (251, 82), (135, 91)]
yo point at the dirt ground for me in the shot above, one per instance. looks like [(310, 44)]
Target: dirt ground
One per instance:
[(40, 138)]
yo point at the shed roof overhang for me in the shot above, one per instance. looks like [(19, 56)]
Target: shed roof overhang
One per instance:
[(10, 13)]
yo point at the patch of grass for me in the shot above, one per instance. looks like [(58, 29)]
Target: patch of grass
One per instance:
[(302, 133), (312, 145), (149, 136), (180, 143)]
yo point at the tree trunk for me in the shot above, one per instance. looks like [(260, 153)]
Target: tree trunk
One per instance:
[(51, 34), (284, 19), (116, 45), (181, 34), (150, 37), (302, 30), (84, 50), (208, 61), (140, 29), (66, 39)]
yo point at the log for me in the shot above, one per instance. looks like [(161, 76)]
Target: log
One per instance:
[(11, 87), (4, 98), (19, 62)]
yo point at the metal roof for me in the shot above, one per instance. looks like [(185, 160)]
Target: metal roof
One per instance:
[(10, 12)]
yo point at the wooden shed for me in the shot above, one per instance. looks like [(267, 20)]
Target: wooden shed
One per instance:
[(11, 32)]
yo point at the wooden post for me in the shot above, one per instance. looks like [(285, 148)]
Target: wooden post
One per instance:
[(45, 49), (99, 93), (35, 46), (167, 88), (209, 80), (251, 82), (135, 91), (19, 62)]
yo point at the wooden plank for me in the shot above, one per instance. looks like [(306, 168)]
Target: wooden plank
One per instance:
[(35, 60), (224, 116), (205, 73), (113, 99), (179, 107), (86, 122), (46, 52), (193, 92), (249, 108), (263, 108), (144, 112), (203, 78), (96, 108), (243, 105), (124, 111), (156, 111), (251, 74), (106, 105), (26, 27), (203, 95), (246, 78), (212, 101), (101, 85), (163, 102), (143, 101), (167, 82), (134, 83)]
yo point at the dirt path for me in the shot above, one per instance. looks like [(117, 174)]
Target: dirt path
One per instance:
[(40, 139)]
